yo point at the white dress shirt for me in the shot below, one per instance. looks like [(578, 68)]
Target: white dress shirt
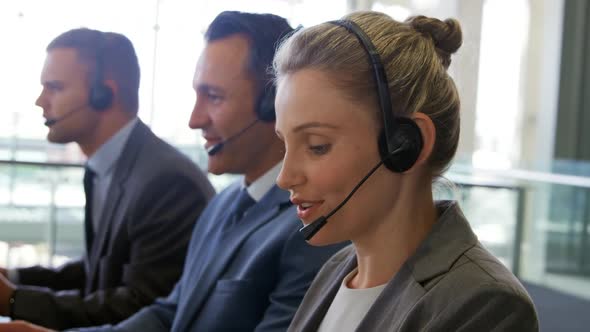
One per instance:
[(263, 184)]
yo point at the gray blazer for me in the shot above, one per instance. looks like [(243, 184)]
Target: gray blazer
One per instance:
[(138, 251), (451, 283)]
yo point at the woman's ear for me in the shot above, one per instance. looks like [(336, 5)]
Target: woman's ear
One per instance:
[(428, 132)]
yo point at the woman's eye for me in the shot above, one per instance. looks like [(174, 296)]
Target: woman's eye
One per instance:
[(320, 149)]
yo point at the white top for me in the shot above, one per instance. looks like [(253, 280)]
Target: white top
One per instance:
[(349, 306)]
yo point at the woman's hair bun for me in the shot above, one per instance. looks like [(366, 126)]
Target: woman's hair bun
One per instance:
[(446, 35)]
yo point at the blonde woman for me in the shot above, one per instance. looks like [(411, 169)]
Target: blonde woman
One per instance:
[(370, 118)]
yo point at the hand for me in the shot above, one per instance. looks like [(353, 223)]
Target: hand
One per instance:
[(22, 326), (6, 290), (3, 272)]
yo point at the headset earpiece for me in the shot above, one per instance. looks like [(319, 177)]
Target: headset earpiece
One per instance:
[(265, 108), (407, 139), (101, 96)]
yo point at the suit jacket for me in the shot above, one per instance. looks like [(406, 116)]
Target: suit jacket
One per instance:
[(138, 250), (249, 276), (451, 283)]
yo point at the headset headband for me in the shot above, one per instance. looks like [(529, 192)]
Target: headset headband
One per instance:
[(389, 123)]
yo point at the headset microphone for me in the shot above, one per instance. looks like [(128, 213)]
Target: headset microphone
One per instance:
[(51, 122), (215, 149), (311, 229)]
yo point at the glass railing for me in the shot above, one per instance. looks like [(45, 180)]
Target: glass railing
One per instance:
[(494, 210), (41, 213), (537, 224)]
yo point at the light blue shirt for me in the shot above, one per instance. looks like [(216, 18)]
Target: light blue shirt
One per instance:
[(102, 162)]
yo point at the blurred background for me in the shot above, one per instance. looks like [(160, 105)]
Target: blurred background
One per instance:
[(522, 172)]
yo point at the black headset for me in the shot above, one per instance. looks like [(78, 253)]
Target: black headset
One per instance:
[(400, 141), (265, 105), (101, 95)]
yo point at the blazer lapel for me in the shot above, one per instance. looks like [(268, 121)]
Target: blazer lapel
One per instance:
[(122, 170), (450, 237), (396, 300), (230, 240)]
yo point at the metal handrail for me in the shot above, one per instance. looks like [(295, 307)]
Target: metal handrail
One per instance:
[(39, 163), (475, 174), (525, 175)]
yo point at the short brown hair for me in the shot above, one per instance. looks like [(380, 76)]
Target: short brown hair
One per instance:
[(117, 57)]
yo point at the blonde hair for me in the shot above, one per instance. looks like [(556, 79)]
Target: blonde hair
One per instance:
[(415, 54)]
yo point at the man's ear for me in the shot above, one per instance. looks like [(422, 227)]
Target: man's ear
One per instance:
[(428, 131)]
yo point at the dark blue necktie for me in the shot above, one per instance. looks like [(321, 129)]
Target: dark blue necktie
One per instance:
[(240, 205), (88, 191)]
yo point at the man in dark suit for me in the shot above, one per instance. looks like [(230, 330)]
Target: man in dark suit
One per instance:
[(143, 196)]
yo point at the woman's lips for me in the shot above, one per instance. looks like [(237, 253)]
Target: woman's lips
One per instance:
[(307, 211)]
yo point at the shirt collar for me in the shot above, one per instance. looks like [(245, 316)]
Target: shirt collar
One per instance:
[(102, 161), (263, 184)]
